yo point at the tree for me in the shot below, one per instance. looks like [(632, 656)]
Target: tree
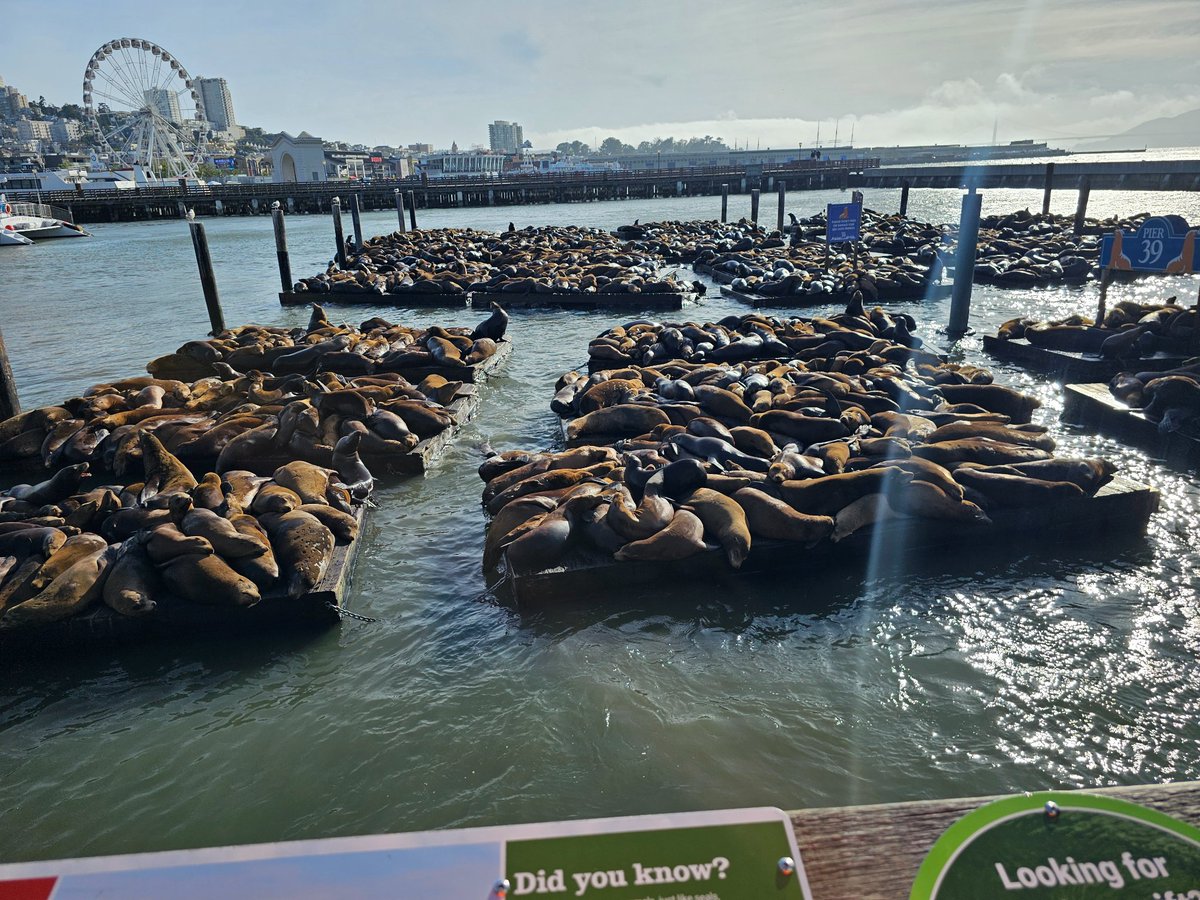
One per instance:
[(612, 146), (208, 171), (573, 148), (71, 111)]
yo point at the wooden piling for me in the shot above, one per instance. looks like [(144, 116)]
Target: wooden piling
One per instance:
[(339, 240), (964, 263), (724, 202), (400, 209), (356, 218), (412, 210), (10, 404), (1085, 188), (208, 280), (779, 212), (754, 195), (1048, 189), (281, 251), (904, 197)]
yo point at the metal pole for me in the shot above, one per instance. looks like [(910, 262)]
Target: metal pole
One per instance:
[(281, 251), (724, 202), (964, 263), (412, 210), (339, 240), (1085, 188), (208, 280), (400, 208), (754, 194), (1048, 189), (779, 215), (356, 217), (906, 184), (10, 404)]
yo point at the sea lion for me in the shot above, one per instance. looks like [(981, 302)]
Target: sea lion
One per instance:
[(724, 404), (303, 547), (208, 494), (677, 479), (635, 523), (73, 549), (43, 541), (343, 525), (208, 579), (218, 531), (166, 542), (275, 498), (165, 474), (548, 481), (124, 523), (494, 326), (994, 398), (682, 537), (825, 496), (773, 519), (985, 451), (792, 465), (247, 447), (964, 430), (511, 516), (805, 429), (626, 420), (263, 570), (71, 592), (718, 452), (309, 482), (59, 486), (350, 469), (132, 581), (1002, 490), (724, 520), (926, 500), (542, 544), (1089, 474), (754, 441), (866, 510)]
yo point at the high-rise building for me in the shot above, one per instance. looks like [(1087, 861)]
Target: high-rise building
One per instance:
[(65, 130), (12, 101), (165, 103), (505, 137), (33, 130), (218, 103)]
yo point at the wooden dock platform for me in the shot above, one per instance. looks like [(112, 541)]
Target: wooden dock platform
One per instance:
[(1094, 406), (1074, 366), (417, 299), (671, 300), (102, 627), (900, 835), (1121, 507), (476, 374)]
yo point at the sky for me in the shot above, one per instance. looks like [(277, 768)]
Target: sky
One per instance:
[(757, 72)]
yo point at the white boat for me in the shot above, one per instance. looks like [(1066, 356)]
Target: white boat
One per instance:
[(34, 222)]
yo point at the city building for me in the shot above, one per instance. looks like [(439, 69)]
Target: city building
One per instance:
[(419, 148), (346, 165), (33, 130), (12, 101), (299, 158), (505, 137), (441, 165), (164, 102), (65, 130), (218, 106)]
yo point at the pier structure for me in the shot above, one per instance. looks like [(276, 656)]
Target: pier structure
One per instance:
[(1127, 175)]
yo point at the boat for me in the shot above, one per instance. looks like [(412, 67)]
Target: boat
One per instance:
[(33, 222)]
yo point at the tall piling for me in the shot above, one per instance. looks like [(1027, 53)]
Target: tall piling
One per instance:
[(339, 239), (400, 209), (10, 404), (724, 202), (208, 281), (1048, 189), (1085, 189), (779, 212), (754, 196), (356, 217), (904, 196), (281, 251), (412, 210), (964, 263)]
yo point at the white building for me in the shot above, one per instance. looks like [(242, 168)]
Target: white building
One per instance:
[(33, 130), (300, 158), (218, 106), (165, 103), (505, 137), (65, 130), (442, 165)]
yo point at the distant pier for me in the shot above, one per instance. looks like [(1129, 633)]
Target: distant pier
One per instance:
[(1126, 175)]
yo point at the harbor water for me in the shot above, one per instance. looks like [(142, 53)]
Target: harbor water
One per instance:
[(994, 670)]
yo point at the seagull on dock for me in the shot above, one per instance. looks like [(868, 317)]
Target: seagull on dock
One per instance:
[(190, 214)]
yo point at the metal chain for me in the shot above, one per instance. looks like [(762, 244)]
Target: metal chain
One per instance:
[(343, 613)]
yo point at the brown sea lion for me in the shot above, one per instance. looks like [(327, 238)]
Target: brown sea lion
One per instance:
[(866, 510), (73, 591), (263, 570), (825, 496), (208, 579), (132, 581), (275, 498), (681, 538), (627, 420), (924, 499), (754, 441), (343, 525), (773, 519), (637, 522), (965, 430), (309, 482), (1002, 490), (993, 397), (303, 548), (73, 549), (985, 451), (165, 542), (165, 474), (59, 486), (724, 521)]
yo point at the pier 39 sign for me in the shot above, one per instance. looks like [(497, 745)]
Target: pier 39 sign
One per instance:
[(1163, 244), (1062, 844)]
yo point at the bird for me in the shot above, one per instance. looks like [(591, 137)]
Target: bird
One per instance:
[(274, 204), (190, 214)]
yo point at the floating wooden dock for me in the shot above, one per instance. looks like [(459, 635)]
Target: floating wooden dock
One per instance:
[(101, 626), (1074, 366), (419, 299), (632, 302), (1094, 406), (476, 374), (1121, 507), (900, 835)]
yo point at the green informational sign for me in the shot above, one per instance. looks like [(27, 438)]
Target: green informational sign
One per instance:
[(719, 861), (1082, 846)]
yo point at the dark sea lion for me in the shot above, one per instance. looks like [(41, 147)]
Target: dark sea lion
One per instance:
[(275, 498), (994, 398), (207, 494), (677, 479), (792, 465), (805, 429), (350, 469), (208, 579), (985, 451), (926, 500), (494, 326), (71, 592), (866, 510), (124, 523), (73, 549), (59, 486), (247, 447), (719, 452), (1089, 474), (165, 474), (132, 581), (1002, 490), (724, 520), (635, 523), (343, 525), (825, 496), (41, 540), (773, 519), (682, 537), (303, 548)]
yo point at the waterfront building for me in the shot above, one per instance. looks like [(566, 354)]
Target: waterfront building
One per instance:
[(164, 102), (505, 137), (300, 158), (440, 165), (218, 106), (346, 165)]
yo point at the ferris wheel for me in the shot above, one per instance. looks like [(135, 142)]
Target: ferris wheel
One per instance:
[(142, 106)]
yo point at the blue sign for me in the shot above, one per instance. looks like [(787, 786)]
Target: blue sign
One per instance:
[(224, 162), (1163, 244), (842, 222)]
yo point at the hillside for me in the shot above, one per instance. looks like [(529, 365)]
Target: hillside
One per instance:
[(1182, 130)]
